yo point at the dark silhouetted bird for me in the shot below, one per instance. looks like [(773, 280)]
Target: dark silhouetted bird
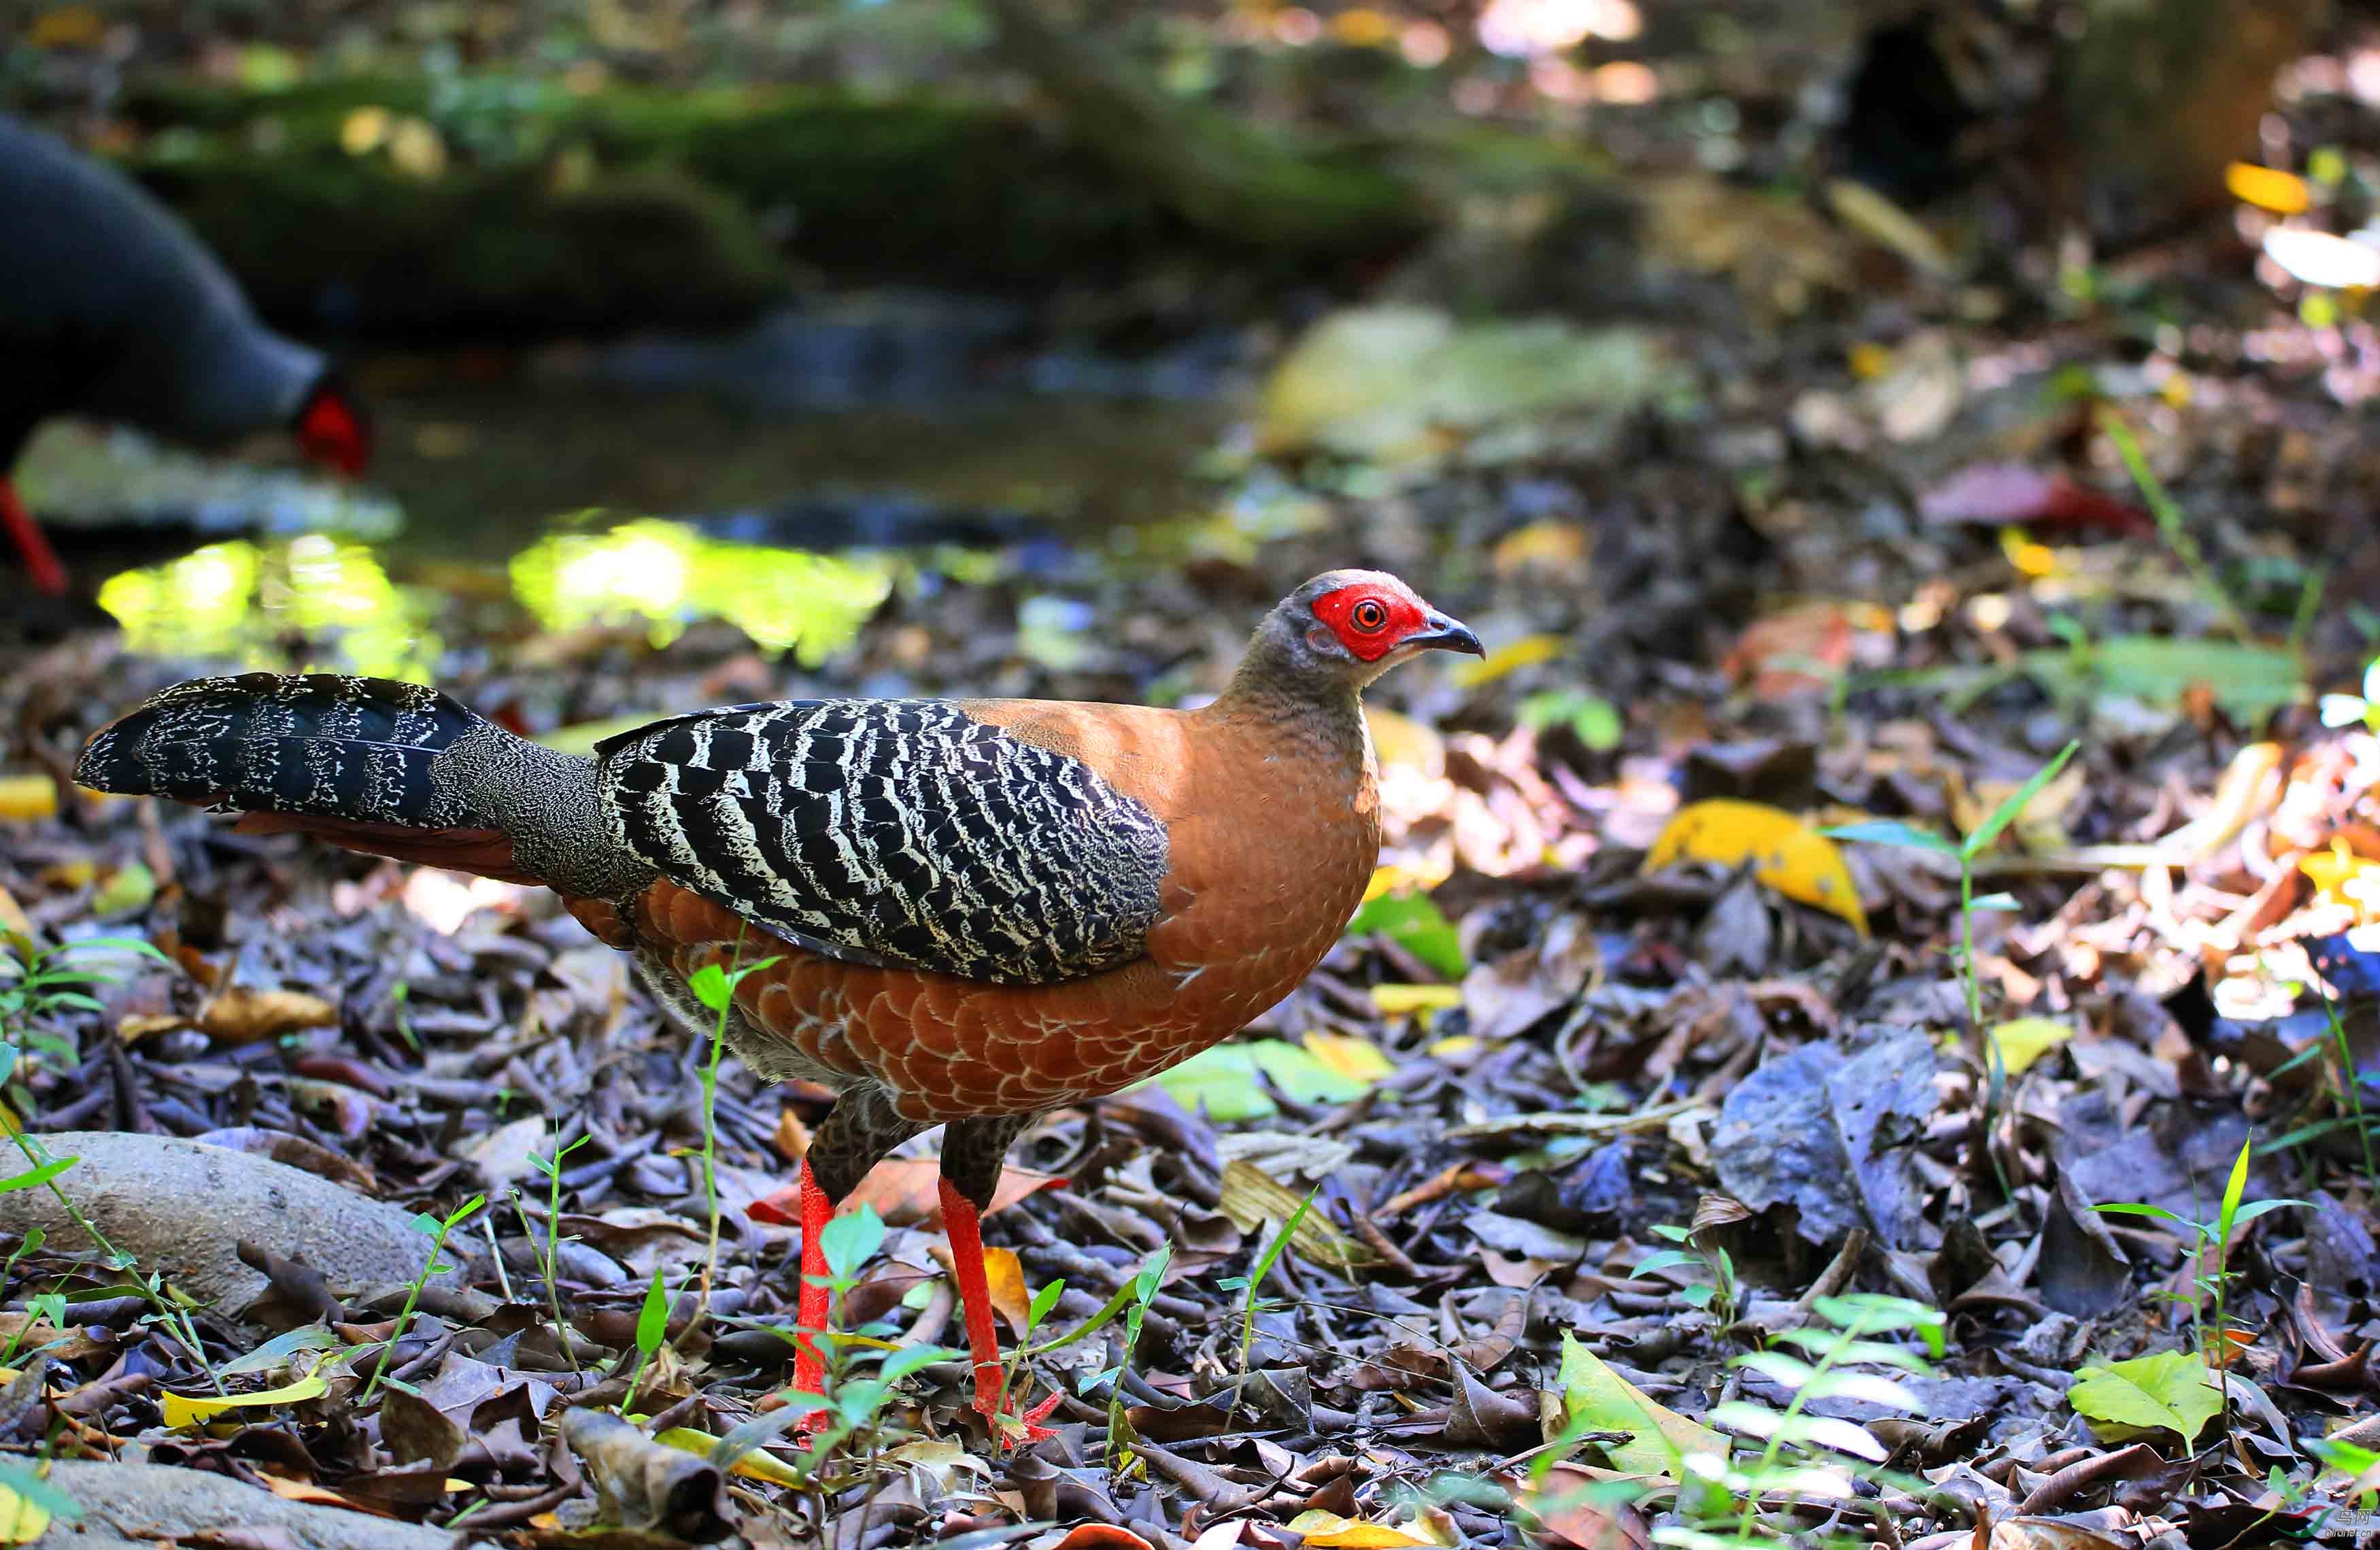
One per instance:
[(110, 307)]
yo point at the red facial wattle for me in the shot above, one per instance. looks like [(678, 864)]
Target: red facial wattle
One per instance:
[(1370, 621), (331, 430)]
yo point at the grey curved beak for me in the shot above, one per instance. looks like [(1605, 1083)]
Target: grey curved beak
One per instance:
[(1446, 635)]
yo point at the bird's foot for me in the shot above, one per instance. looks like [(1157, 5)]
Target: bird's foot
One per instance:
[(1011, 1429)]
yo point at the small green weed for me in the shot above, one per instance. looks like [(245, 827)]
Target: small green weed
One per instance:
[(1721, 1294), (1984, 1048), (2212, 1243), (438, 1230)]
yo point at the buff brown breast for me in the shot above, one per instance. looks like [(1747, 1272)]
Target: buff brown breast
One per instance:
[(970, 912)]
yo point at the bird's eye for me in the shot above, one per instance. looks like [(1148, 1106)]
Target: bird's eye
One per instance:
[(1369, 617)]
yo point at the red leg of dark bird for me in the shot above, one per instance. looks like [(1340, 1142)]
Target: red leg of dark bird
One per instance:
[(809, 1359), (41, 560), (964, 1226)]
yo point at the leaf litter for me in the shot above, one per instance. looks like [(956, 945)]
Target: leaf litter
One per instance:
[(1599, 1168)]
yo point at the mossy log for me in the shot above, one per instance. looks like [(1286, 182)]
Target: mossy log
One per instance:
[(1228, 176)]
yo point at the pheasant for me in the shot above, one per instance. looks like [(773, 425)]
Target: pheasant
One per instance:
[(971, 912), (110, 307)]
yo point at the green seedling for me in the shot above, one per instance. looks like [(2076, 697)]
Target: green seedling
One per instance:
[(552, 1168), (715, 988), (1963, 853), (34, 990), (437, 1230), (2170, 525), (2211, 1245), (1249, 1286), (1719, 1293), (653, 1323)]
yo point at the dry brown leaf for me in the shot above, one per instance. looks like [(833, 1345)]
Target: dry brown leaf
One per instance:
[(241, 1015), (1252, 1197)]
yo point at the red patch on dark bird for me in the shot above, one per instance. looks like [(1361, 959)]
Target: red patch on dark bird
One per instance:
[(41, 561), (1370, 620), (333, 430)]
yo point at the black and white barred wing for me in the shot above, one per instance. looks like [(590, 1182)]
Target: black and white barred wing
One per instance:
[(892, 832)]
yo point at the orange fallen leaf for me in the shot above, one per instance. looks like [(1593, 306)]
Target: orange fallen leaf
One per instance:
[(1101, 1536), (290, 1490), (792, 1137), (905, 1191), (1004, 1277), (1800, 651), (2283, 193)]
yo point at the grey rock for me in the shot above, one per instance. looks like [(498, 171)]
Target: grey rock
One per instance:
[(183, 1208)]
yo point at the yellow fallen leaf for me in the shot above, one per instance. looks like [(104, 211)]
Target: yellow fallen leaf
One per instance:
[(2283, 193), (1885, 224), (1397, 1001), (1785, 854), (755, 1465), (67, 27), (1510, 658), (365, 129), (1362, 28), (1400, 740), (13, 919), (1327, 1531), (27, 796), (1456, 1047), (2022, 1041), (2344, 879), (1869, 361), (1356, 1060), (1658, 1436), (22, 1521), (188, 1410), (1540, 547)]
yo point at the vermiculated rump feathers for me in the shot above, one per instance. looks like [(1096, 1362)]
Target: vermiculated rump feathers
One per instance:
[(893, 832), (361, 755), (337, 747)]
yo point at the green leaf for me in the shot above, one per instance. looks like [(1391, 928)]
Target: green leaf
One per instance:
[(1224, 1079), (34, 1178), (911, 1358), (850, 1241), (709, 986), (2255, 1209), (1592, 719), (730, 1449), (1151, 1274), (2002, 815), (1893, 831), (2171, 1390), (2234, 1190), (653, 1319), (1663, 1259), (1043, 1301), (1415, 923), (2129, 1208)]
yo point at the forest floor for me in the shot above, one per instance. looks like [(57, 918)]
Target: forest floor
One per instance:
[(1915, 799)]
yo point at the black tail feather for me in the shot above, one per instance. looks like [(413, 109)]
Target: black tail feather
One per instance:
[(322, 744)]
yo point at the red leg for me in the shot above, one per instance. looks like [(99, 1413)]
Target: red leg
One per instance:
[(810, 1361), (964, 1226), (41, 560)]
